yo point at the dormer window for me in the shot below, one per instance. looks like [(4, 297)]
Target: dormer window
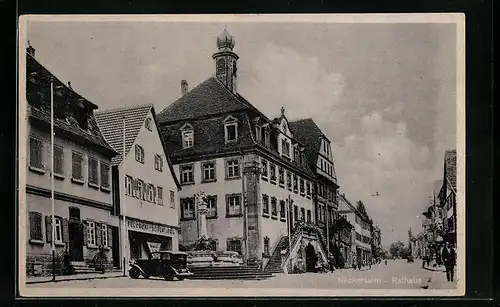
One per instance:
[(258, 133), (187, 134), (231, 129), (148, 123), (285, 148), (267, 137), (296, 155)]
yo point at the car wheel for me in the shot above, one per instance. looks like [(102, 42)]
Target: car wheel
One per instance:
[(169, 277), (134, 273)]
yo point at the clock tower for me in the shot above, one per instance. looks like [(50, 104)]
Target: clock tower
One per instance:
[(225, 61)]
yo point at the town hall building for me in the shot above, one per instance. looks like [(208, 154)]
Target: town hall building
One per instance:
[(250, 168)]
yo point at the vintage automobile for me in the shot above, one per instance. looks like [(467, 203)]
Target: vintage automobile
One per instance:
[(166, 264)]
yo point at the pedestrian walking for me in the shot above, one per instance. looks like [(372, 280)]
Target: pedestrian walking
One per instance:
[(449, 259)]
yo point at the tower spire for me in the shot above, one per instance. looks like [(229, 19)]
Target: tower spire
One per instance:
[(225, 60)]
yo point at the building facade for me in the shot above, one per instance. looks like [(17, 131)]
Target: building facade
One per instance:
[(361, 249), (448, 197), (82, 176), (147, 189), (250, 168)]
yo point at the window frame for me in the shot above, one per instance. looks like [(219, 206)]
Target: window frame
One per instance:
[(191, 207), (204, 165), (215, 214), (158, 163), (139, 153), (57, 172), (272, 172), (171, 197), (226, 132), (238, 197), (159, 195), (58, 230), (281, 176), (90, 163), (35, 222), (264, 169), (274, 208), (240, 244), (183, 168), (91, 234), (39, 152), (265, 205), (80, 157), (129, 186), (104, 235), (102, 166), (187, 137), (229, 167), (282, 209)]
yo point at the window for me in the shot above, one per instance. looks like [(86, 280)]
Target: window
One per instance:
[(302, 190), (36, 153), (233, 169), (139, 153), (58, 160), (282, 209), (264, 168), (285, 148), (274, 206), (231, 131), (148, 123), (295, 213), (295, 185), (187, 174), (158, 163), (302, 214), (139, 189), (233, 203), (281, 175), (266, 246), (128, 185), (159, 196), (172, 197), (234, 246), (105, 175), (187, 139), (258, 133), (208, 171), (91, 240), (273, 172), (266, 137), (77, 166), (309, 216), (104, 235), (151, 193), (58, 230), (289, 180), (308, 188), (212, 206), (187, 208), (296, 155), (265, 204), (93, 171), (36, 226)]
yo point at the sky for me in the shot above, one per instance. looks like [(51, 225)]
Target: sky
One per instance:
[(384, 94)]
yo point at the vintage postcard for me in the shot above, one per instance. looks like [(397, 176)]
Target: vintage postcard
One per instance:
[(242, 155)]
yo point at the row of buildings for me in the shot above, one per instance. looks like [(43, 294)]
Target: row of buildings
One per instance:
[(439, 222), (209, 165)]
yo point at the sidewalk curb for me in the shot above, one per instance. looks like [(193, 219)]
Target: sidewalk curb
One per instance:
[(71, 279)]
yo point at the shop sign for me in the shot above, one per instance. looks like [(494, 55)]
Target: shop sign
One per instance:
[(154, 246), (151, 227)]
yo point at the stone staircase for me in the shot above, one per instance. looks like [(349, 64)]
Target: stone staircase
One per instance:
[(240, 272), (274, 263), (84, 268)]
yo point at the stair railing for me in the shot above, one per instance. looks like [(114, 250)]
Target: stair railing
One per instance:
[(274, 249)]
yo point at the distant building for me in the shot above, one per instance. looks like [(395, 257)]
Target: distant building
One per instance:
[(146, 189), (361, 248), (448, 196), (82, 176), (251, 168)]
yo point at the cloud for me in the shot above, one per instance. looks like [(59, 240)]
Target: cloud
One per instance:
[(282, 76)]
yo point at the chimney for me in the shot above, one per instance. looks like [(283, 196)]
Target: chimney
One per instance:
[(30, 50), (69, 84), (184, 87)]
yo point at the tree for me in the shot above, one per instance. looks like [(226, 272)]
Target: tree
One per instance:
[(396, 249)]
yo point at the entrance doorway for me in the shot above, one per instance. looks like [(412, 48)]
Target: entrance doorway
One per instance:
[(311, 258), (75, 233), (115, 246)]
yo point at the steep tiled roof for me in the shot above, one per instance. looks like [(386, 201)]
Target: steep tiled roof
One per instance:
[(450, 167), (111, 124), (308, 133), (208, 98), (38, 109)]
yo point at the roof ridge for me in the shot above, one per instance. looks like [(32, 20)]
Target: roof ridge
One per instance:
[(124, 108)]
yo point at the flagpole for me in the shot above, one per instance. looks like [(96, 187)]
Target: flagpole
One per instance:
[(290, 232), (52, 177), (124, 230)]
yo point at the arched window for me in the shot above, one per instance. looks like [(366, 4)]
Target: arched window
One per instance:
[(221, 66)]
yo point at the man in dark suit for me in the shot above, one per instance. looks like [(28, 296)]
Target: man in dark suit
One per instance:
[(449, 258)]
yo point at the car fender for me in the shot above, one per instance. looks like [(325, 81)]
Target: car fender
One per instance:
[(137, 267)]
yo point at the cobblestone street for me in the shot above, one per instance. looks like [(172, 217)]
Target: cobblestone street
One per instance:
[(396, 275)]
